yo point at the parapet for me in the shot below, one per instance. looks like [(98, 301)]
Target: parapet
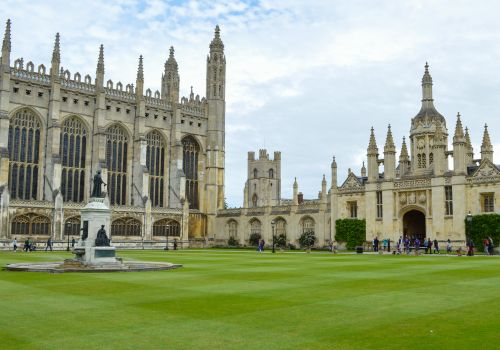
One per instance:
[(277, 155), (251, 155)]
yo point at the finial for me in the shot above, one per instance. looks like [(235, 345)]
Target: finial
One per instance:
[(100, 62), (459, 130), (324, 178), (56, 54), (172, 51), (426, 67), (372, 146), (486, 138), (216, 43), (6, 39), (404, 149), (217, 31), (389, 141), (140, 70), (191, 88), (467, 138)]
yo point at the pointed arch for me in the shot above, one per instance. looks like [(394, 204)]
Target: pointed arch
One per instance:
[(232, 228), (74, 141), (156, 162), (24, 147), (166, 227), (191, 153), (117, 141), (307, 224), (126, 227)]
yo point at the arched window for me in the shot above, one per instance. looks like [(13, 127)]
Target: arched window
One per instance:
[(72, 150), (155, 161), (232, 228), (255, 173), (190, 167), (254, 200), (255, 227), (431, 158), (116, 162), (72, 226), (24, 148), (31, 225), (280, 227), (307, 224), (419, 160), (126, 227), (271, 173), (424, 160), (166, 227)]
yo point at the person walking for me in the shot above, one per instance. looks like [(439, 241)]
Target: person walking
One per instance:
[(426, 246), (429, 245), (448, 246), (436, 246), (375, 244), (417, 245), (14, 244), (49, 244), (486, 246), (26, 244)]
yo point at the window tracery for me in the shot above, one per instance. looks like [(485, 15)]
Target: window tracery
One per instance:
[(190, 168), (116, 162), (166, 227), (73, 146), (126, 227), (155, 162)]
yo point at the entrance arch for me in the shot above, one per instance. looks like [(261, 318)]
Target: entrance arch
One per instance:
[(414, 224)]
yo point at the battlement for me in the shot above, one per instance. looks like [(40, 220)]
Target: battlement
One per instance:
[(263, 154)]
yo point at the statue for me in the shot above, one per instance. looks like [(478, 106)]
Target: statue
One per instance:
[(102, 239), (96, 190)]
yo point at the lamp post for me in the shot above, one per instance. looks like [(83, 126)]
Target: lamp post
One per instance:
[(469, 224), (272, 226), (166, 235), (68, 226)]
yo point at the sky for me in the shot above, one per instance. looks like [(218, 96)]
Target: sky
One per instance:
[(307, 78)]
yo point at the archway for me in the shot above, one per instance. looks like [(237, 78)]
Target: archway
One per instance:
[(414, 225)]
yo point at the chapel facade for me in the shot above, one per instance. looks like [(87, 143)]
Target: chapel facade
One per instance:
[(417, 195), (161, 156)]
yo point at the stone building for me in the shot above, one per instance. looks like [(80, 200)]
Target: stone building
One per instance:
[(417, 196), (161, 157)]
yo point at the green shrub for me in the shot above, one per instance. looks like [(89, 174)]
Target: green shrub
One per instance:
[(291, 246), (254, 239), (350, 231), (483, 226), (280, 241), (307, 239), (233, 242)]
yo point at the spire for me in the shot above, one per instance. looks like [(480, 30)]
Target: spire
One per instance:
[(191, 95), (372, 146), (324, 179), (334, 163), (427, 85), (389, 141), (363, 170), (216, 44), (56, 53), (486, 147), (140, 70), (404, 150), (459, 131), (100, 62), (295, 185), (171, 64), (6, 46), (467, 139)]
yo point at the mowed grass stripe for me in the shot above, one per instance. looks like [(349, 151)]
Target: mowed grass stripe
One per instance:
[(245, 300)]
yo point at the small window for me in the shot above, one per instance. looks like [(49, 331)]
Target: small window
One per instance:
[(64, 99), (255, 173), (28, 92), (75, 101), (118, 109), (190, 123), (488, 202), (127, 111), (380, 211), (156, 116), (147, 115), (448, 200), (353, 209), (182, 121), (108, 108), (40, 94), (86, 103), (199, 125), (16, 90), (271, 173)]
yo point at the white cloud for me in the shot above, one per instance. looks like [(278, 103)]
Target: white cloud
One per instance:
[(307, 78)]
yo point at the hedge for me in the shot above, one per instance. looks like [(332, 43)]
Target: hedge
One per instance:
[(483, 226), (350, 231)]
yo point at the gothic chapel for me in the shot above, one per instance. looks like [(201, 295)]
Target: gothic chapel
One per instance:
[(161, 157)]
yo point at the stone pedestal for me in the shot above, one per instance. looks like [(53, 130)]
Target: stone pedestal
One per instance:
[(95, 215)]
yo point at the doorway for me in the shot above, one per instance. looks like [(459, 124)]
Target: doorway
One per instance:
[(414, 225)]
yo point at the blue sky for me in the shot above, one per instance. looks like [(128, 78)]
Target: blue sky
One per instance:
[(308, 78)]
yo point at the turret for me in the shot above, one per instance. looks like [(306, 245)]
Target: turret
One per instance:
[(170, 80), (363, 170), (389, 156), (404, 159), (459, 148), (334, 173), (6, 47), (438, 151), (56, 59), (427, 100), (372, 154), (469, 150), (323, 188), (216, 68), (486, 146)]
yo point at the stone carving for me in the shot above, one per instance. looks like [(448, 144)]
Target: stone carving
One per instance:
[(102, 239), (402, 199), (422, 198), (411, 198), (416, 183), (487, 170), (351, 184), (96, 190)]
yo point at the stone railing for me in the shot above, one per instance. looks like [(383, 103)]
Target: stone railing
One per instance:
[(229, 212), (194, 110), (159, 210), (255, 211), (31, 76), (119, 94), (30, 203), (157, 102), (77, 85), (412, 183)]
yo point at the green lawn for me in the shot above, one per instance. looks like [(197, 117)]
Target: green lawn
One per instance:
[(225, 299)]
